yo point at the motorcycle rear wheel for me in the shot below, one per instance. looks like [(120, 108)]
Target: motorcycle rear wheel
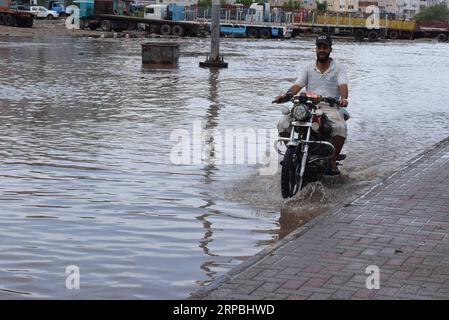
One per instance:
[(289, 180)]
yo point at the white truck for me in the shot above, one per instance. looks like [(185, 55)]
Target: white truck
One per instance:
[(170, 20), (43, 13), (156, 11), (259, 12)]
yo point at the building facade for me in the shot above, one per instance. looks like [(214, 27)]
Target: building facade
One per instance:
[(401, 8), (343, 5)]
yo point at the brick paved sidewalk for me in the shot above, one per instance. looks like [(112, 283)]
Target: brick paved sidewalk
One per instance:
[(401, 226)]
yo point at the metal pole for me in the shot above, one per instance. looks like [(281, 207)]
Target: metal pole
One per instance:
[(215, 31), (214, 60)]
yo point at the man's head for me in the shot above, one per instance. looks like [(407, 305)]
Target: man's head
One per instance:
[(323, 47)]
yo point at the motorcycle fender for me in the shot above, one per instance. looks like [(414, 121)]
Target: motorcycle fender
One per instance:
[(284, 124)]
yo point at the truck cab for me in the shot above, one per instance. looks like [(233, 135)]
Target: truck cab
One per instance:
[(172, 11), (156, 11), (60, 8), (259, 12)]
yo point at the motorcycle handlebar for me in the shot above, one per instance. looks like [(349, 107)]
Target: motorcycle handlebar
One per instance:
[(331, 101), (303, 99)]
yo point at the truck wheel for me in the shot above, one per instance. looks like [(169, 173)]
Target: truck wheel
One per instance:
[(82, 24), (106, 25), (2, 18), (393, 34), (253, 33), (29, 22), (265, 34), (178, 31), (359, 34), (25, 22), (10, 20), (373, 36), (165, 29), (442, 37)]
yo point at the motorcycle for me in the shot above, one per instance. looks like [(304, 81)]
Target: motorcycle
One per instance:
[(309, 150)]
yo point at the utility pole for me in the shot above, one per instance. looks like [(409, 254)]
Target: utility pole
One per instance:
[(214, 60)]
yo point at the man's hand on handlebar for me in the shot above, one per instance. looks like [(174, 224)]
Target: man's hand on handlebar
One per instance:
[(288, 96), (283, 98)]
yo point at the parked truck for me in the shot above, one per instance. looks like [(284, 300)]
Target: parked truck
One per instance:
[(253, 26), (386, 28), (116, 15), (170, 20), (438, 30), (259, 12), (361, 28), (11, 15), (59, 8)]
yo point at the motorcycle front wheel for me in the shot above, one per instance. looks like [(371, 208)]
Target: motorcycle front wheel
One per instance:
[(290, 182)]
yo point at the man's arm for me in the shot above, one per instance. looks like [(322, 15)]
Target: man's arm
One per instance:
[(294, 89), (300, 83), (342, 81), (343, 88)]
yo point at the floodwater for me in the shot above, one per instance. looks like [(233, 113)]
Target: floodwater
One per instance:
[(86, 173)]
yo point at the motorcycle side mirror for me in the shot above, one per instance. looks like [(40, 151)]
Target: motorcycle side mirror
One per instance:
[(285, 110)]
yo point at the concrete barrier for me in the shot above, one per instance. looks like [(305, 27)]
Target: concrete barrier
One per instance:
[(164, 54)]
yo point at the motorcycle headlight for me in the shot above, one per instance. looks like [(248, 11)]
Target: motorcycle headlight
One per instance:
[(300, 113)]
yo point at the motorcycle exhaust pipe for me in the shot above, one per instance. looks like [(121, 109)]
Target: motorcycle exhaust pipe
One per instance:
[(328, 144), (279, 140)]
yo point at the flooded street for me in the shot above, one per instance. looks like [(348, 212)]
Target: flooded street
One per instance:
[(86, 173)]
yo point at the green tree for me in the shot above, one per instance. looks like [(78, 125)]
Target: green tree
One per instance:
[(321, 6), (204, 3), (290, 5), (439, 12), (245, 2)]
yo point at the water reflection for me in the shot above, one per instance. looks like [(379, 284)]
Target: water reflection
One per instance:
[(211, 123)]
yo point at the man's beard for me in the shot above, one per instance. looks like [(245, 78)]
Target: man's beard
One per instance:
[(323, 59)]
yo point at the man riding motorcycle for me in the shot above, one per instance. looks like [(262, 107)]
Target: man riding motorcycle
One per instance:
[(326, 78)]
